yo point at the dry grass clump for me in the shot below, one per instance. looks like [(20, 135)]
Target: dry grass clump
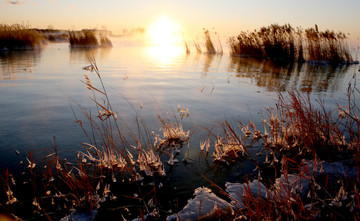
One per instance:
[(18, 37), (227, 150), (112, 157), (81, 184), (297, 129), (295, 196), (88, 38), (172, 140), (229, 147), (233, 145), (311, 170), (109, 147), (54, 189), (173, 134), (283, 42)]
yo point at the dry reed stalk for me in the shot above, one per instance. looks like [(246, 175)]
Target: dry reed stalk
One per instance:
[(209, 45), (287, 44), (198, 47), (107, 156), (88, 38), (19, 37), (296, 130), (7, 182)]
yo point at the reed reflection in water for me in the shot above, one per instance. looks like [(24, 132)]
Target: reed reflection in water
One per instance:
[(282, 77), (153, 81), (212, 87), (18, 64)]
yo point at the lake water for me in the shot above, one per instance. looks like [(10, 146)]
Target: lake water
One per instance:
[(38, 87)]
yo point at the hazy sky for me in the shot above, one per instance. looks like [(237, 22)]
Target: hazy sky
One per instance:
[(228, 17)]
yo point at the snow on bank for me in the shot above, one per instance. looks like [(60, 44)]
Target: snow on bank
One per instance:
[(205, 204), (291, 185), (237, 191)]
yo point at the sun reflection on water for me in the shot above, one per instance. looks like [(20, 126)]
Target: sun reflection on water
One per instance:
[(164, 55)]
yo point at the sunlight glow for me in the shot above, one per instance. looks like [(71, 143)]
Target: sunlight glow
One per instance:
[(165, 41), (164, 55), (164, 32)]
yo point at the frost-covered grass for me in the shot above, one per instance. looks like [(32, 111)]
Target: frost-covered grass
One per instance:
[(309, 169), (172, 140), (313, 156), (18, 37), (113, 157), (296, 128), (312, 164)]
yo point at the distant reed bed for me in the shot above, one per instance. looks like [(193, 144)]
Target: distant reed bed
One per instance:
[(88, 38), (283, 42), (54, 35), (18, 37)]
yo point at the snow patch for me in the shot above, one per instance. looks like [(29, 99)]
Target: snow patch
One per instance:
[(290, 185), (205, 204), (237, 191)]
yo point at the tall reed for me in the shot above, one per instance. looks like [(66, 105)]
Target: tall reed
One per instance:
[(283, 42), (88, 38), (18, 37), (303, 145), (326, 46), (83, 39), (209, 45), (198, 47), (114, 156)]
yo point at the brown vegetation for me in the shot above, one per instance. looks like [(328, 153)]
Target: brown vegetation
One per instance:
[(18, 37), (311, 169), (285, 43), (88, 38), (113, 154), (297, 137)]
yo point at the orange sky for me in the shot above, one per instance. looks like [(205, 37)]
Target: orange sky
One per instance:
[(228, 17)]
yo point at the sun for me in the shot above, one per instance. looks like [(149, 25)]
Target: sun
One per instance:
[(164, 32)]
